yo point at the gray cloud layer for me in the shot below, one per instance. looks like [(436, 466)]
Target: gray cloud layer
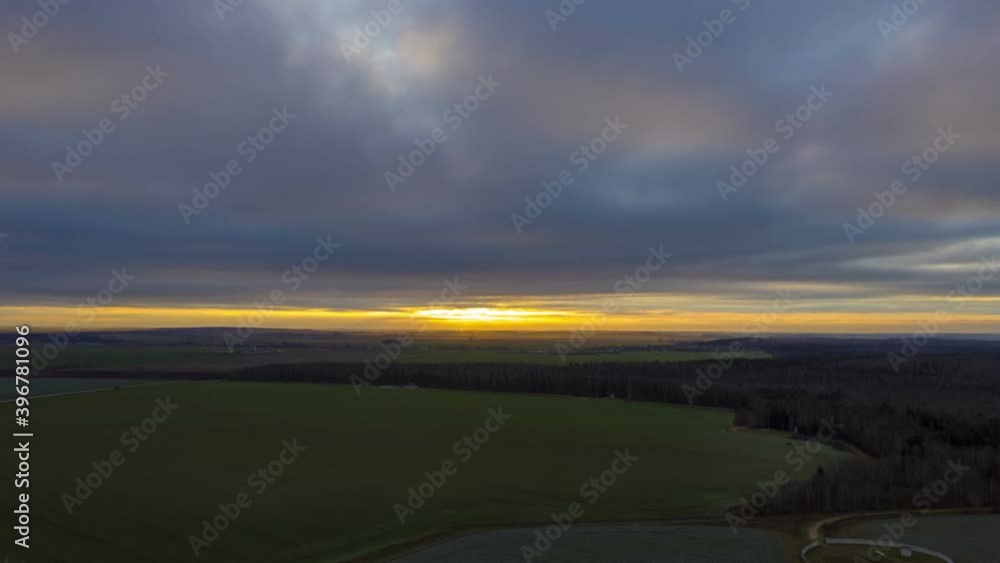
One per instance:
[(657, 184)]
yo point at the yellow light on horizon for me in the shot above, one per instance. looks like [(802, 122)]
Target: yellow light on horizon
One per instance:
[(486, 315), (902, 318)]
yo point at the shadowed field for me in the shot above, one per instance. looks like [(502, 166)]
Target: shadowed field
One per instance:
[(336, 500)]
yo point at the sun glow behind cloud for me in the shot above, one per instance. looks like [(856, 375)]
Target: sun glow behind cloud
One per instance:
[(488, 315)]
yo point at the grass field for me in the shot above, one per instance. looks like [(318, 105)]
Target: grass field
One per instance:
[(362, 453)]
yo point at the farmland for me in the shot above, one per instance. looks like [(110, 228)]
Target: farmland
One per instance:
[(361, 456), (210, 354)]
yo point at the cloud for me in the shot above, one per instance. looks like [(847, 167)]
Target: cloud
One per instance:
[(325, 173)]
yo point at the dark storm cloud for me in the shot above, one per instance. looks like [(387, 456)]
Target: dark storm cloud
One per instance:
[(324, 174)]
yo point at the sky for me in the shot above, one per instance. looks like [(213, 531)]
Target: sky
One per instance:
[(668, 165)]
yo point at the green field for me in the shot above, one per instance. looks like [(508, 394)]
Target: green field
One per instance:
[(336, 501)]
